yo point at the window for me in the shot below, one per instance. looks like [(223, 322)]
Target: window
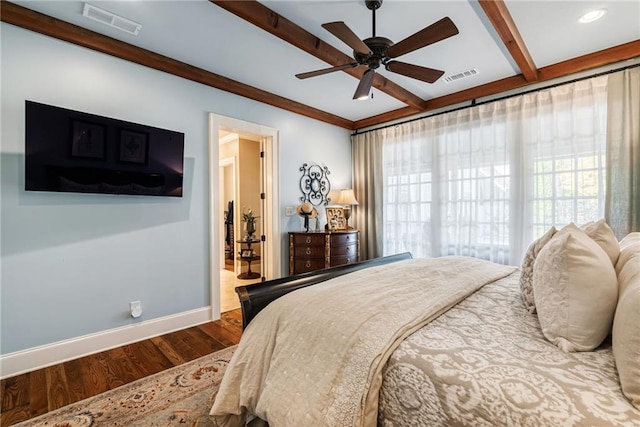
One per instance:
[(408, 213), (485, 181), (568, 190)]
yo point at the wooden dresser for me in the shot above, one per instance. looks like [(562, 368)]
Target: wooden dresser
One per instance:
[(322, 249)]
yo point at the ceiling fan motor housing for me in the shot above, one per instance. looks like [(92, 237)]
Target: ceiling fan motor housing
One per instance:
[(373, 4), (379, 47), (376, 51)]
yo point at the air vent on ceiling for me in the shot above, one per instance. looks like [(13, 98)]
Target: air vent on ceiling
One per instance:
[(468, 73), (111, 19)]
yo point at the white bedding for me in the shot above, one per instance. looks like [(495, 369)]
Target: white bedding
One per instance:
[(315, 356)]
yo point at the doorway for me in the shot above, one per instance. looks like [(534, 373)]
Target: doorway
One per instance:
[(245, 157), (241, 186)]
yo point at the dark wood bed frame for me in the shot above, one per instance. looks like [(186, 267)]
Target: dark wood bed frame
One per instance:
[(254, 298)]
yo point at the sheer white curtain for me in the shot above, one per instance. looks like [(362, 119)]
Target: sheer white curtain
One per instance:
[(484, 181)]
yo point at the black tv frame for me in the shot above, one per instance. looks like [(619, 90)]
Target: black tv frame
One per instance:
[(73, 151)]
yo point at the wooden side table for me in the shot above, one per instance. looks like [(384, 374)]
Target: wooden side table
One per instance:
[(247, 255)]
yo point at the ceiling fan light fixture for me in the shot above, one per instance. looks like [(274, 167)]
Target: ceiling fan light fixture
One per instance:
[(364, 87), (594, 15)]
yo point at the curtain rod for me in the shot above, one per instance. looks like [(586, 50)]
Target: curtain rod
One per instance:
[(475, 104)]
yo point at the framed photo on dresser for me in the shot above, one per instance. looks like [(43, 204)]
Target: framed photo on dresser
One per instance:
[(335, 218)]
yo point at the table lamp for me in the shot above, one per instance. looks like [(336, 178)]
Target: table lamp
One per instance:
[(347, 198)]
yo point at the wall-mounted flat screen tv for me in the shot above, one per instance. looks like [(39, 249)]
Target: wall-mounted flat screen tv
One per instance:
[(71, 151)]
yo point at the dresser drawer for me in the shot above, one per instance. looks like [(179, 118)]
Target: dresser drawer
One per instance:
[(304, 252), (345, 250), (309, 239), (343, 238), (304, 266), (310, 251), (342, 260)]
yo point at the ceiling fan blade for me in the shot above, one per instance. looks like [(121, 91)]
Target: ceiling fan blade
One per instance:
[(425, 74), (325, 71), (435, 32), (362, 92), (344, 33)]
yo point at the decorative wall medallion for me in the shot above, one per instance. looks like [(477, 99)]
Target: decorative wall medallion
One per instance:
[(315, 184)]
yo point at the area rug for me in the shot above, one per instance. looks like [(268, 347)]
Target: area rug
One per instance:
[(180, 396)]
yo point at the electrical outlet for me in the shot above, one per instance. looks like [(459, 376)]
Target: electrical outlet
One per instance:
[(135, 307), (288, 211)]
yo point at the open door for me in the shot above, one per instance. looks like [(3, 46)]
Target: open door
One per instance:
[(264, 203), (227, 188)]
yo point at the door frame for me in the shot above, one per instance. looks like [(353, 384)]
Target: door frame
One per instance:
[(272, 245)]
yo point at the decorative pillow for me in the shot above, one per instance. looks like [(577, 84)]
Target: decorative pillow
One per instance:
[(526, 271), (626, 324), (575, 290), (629, 246), (603, 235)]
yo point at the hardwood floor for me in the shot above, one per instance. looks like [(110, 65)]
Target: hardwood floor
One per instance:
[(35, 393)]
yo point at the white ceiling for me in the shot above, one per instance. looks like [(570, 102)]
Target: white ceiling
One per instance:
[(204, 35)]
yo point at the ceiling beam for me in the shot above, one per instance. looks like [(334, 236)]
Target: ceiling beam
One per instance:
[(498, 14), (43, 24), (279, 26), (590, 61)]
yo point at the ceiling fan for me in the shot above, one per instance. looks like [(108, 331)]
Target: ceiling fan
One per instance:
[(376, 51)]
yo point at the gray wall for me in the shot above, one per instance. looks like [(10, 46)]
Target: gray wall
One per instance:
[(70, 263)]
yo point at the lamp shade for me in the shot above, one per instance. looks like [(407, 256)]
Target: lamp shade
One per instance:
[(347, 198)]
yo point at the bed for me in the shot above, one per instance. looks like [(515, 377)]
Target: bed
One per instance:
[(416, 342)]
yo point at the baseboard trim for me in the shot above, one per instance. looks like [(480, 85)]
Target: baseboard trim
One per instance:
[(34, 358)]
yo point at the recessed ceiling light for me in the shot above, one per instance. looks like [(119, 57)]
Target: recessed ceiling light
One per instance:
[(594, 15), (111, 19)]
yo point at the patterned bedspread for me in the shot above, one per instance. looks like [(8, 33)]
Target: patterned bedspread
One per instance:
[(315, 357), (485, 362)]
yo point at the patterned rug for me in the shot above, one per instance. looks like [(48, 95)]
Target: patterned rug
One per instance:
[(180, 396)]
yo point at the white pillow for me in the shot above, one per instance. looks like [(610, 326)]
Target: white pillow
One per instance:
[(629, 246), (626, 326), (526, 271), (603, 235), (575, 290)]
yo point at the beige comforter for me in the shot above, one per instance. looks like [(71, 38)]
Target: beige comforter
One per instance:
[(315, 356), (486, 363)]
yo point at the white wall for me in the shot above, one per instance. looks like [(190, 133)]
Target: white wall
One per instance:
[(70, 263)]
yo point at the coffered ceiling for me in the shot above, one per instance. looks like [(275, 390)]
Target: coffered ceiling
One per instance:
[(255, 49)]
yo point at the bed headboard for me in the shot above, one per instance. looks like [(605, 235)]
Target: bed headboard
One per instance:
[(254, 298)]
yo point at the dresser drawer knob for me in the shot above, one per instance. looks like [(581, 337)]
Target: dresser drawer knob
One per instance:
[(308, 239), (308, 251), (308, 264), (348, 249)]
